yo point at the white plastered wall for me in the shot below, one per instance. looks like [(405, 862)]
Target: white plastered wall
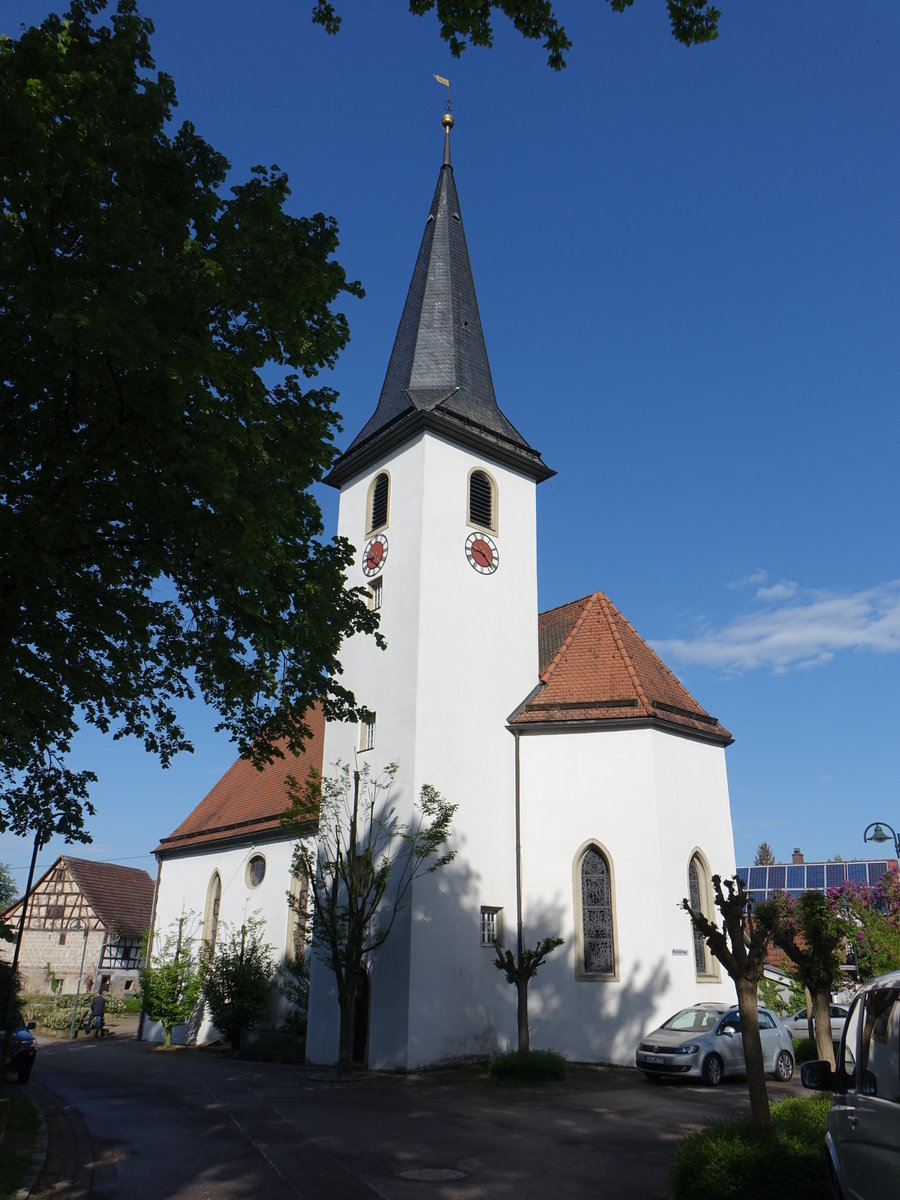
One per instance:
[(649, 799), (183, 890)]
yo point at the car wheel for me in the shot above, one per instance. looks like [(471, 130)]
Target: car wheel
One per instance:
[(784, 1066), (24, 1074), (713, 1070)]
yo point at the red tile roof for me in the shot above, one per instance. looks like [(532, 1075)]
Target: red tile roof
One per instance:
[(248, 802), (595, 667), (122, 897)]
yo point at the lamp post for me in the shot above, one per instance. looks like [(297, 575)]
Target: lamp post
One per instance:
[(881, 832), (78, 925)]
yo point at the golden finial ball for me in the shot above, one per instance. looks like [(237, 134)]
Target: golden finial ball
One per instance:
[(447, 120)]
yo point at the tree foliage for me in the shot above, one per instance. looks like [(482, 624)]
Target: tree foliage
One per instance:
[(9, 890), (171, 980), (360, 875), (158, 431), (238, 979), (811, 932), (764, 855), (520, 968), (740, 946), (464, 21), (872, 923)]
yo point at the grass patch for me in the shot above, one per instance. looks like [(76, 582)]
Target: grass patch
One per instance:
[(535, 1066), (733, 1160)]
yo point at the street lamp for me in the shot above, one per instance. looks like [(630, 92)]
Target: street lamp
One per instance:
[(78, 925), (881, 832)]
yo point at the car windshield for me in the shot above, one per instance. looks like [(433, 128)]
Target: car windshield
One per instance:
[(692, 1020)]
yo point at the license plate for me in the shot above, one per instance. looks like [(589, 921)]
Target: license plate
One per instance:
[(654, 1058)]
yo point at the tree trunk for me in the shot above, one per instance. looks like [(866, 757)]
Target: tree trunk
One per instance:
[(522, 998), (348, 1010), (753, 1055), (824, 1044)]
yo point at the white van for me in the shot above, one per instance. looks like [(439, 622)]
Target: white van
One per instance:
[(863, 1138)]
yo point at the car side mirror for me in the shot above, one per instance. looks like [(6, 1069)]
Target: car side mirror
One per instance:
[(31, 1025), (728, 1030), (817, 1076)]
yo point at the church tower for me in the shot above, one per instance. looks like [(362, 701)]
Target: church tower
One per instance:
[(438, 491)]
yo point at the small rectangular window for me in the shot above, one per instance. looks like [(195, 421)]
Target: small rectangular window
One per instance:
[(367, 733), (62, 939), (375, 590), (491, 925)]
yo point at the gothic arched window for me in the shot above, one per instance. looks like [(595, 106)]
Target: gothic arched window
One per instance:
[(595, 927), (211, 916), (700, 893)]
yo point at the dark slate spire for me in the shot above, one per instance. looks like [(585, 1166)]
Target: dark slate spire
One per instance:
[(438, 376)]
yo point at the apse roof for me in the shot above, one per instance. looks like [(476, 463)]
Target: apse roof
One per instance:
[(594, 667), (248, 803), (438, 376)]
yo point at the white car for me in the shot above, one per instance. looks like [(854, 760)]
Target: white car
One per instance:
[(863, 1138), (704, 1042), (799, 1026)]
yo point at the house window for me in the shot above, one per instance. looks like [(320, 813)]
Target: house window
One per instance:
[(375, 592), (482, 501), (55, 912), (378, 506), (595, 926), (62, 939), (367, 733), (256, 871), (491, 926), (211, 916)]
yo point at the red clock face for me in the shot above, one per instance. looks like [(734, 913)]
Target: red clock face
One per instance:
[(374, 555), (482, 553)]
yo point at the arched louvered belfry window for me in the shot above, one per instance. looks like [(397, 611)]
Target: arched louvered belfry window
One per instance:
[(482, 501), (700, 893), (211, 916), (596, 951), (379, 502)]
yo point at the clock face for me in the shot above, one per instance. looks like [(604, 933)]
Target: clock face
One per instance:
[(482, 553), (374, 555)]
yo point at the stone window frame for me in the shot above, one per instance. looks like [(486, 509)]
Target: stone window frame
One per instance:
[(494, 524), (371, 525), (711, 972)]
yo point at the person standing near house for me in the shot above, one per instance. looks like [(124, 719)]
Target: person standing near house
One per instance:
[(98, 1008)]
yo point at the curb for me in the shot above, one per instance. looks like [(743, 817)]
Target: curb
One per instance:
[(38, 1156)]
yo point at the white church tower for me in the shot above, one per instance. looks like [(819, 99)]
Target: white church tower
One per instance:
[(438, 490)]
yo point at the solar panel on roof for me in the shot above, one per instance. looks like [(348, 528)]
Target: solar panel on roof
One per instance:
[(876, 870), (834, 874), (815, 876), (796, 878), (776, 878), (857, 872), (758, 877)]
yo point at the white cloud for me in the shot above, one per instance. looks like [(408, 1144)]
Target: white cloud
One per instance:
[(801, 635), (755, 579), (778, 591)]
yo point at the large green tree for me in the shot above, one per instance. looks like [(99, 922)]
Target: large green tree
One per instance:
[(464, 21), (158, 429)]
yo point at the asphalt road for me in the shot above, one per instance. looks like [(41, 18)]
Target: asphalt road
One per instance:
[(129, 1120)]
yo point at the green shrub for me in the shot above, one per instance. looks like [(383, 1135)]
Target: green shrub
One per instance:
[(734, 1160), (534, 1066), (805, 1050)]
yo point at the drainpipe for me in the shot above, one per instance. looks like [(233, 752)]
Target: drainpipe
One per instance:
[(520, 933)]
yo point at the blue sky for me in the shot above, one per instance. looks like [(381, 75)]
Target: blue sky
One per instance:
[(687, 264)]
